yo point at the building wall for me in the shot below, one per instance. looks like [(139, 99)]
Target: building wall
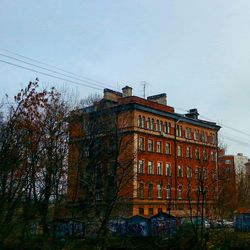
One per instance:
[(201, 138), (174, 160), (239, 161)]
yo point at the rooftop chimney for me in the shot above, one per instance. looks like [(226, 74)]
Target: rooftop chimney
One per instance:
[(112, 95), (161, 98), (193, 113), (126, 91)]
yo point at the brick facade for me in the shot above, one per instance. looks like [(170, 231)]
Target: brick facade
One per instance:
[(175, 160)]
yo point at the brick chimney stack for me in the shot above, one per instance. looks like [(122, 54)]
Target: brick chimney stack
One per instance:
[(126, 91), (161, 98)]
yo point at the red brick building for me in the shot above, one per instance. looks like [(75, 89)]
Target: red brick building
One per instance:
[(174, 167), (227, 191)]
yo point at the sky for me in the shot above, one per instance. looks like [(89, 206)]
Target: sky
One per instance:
[(197, 52)]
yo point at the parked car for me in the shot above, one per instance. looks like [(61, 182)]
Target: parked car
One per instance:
[(228, 223)]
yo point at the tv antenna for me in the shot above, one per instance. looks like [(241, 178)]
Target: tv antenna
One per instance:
[(144, 85)]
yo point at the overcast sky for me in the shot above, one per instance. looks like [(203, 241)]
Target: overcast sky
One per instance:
[(198, 52)]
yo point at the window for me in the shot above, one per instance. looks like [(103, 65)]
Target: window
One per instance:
[(188, 152), (98, 195), (179, 192), (205, 172), (188, 133), (150, 167), (150, 211), (227, 161), (141, 167), (150, 190), (168, 149), (141, 143), (143, 122), (189, 172), (150, 145), (159, 210), (167, 127), (157, 125), (203, 136), (179, 151), (205, 155), (178, 130), (212, 136), (141, 210), (139, 123), (213, 156), (197, 135), (159, 191), (158, 147), (153, 124), (159, 168), (180, 171), (197, 154), (141, 190), (149, 124), (168, 191), (161, 126), (168, 169)]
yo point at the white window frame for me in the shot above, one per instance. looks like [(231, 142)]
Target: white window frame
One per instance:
[(141, 166), (150, 167), (159, 168), (168, 169)]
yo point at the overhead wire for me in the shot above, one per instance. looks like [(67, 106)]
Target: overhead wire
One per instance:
[(52, 71), (240, 142), (55, 67), (53, 76)]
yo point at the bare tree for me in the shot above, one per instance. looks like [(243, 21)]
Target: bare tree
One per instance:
[(33, 152), (102, 164)]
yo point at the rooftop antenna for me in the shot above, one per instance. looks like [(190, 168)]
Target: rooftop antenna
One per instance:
[(144, 84)]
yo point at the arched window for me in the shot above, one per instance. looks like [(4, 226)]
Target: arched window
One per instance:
[(141, 190), (159, 168), (139, 121), (168, 169), (188, 152), (153, 124), (143, 122), (189, 172), (149, 124), (205, 154), (167, 127), (141, 166), (161, 126), (150, 145), (179, 192), (168, 149), (159, 191), (150, 190), (197, 154), (179, 151), (150, 167), (157, 125), (180, 171), (168, 191)]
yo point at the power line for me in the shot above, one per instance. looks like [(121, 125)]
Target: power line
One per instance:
[(52, 71), (58, 68), (242, 143), (222, 124), (43, 73)]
